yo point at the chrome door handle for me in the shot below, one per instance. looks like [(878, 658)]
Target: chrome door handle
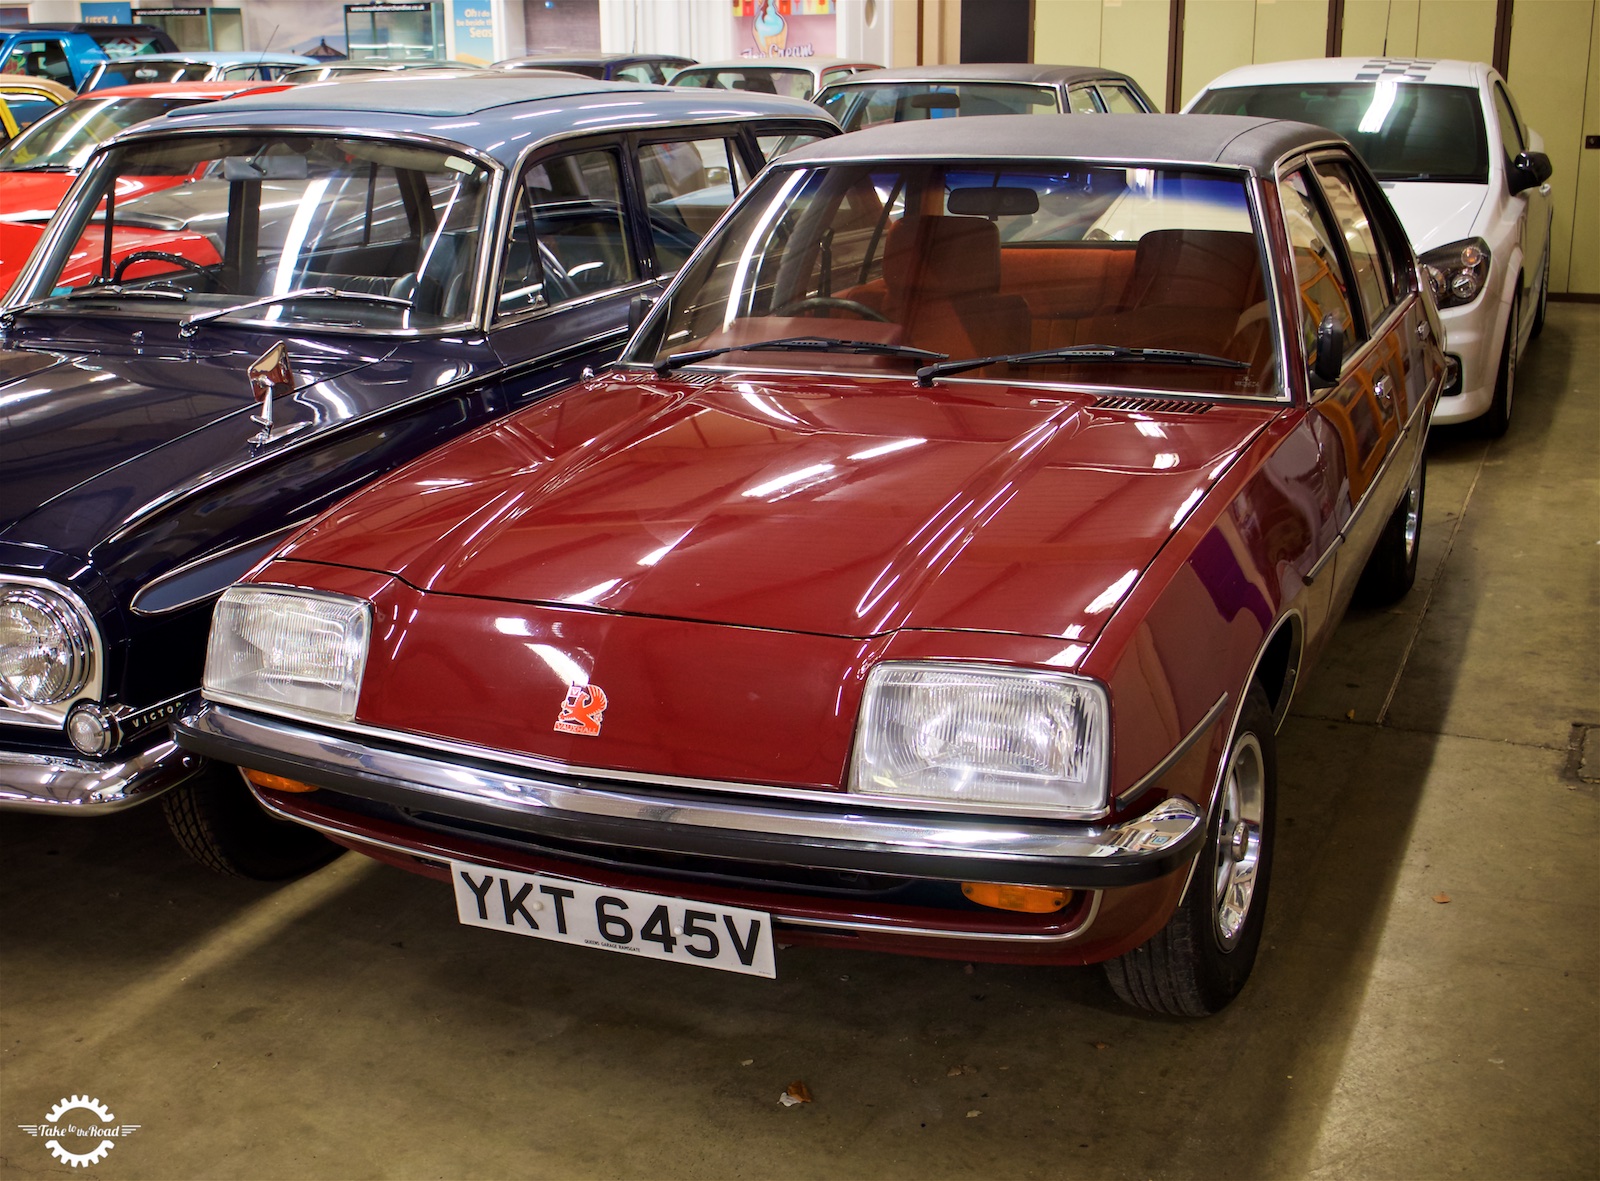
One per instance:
[(1381, 389)]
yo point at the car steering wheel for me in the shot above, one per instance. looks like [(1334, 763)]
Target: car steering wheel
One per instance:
[(796, 306), (187, 264)]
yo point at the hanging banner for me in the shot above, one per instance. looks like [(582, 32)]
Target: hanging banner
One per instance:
[(785, 28), (473, 26)]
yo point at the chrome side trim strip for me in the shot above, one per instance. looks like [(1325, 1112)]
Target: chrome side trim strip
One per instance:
[(1188, 740), (72, 786), (831, 832), (853, 926)]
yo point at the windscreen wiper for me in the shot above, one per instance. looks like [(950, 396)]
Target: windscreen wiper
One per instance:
[(190, 325), (800, 344), (1082, 353), (93, 291)]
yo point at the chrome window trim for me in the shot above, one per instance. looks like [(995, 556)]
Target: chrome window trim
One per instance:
[(54, 717), (339, 832)]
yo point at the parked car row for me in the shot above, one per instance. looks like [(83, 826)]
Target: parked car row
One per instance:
[(686, 529)]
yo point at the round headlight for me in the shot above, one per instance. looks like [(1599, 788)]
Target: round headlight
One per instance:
[(45, 649)]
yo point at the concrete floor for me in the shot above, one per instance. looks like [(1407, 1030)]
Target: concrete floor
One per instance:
[(346, 1026)]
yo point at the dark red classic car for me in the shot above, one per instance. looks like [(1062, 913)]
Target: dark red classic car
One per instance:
[(930, 576)]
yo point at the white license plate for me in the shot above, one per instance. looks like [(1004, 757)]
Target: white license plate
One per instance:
[(698, 933)]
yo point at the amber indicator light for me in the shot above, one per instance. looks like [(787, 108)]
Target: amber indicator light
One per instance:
[(277, 782), (1029, 899)]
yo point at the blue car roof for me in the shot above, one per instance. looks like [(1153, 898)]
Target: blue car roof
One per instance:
[(222, 57), (499, 114)]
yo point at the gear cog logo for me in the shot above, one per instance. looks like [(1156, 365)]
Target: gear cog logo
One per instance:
[(57, 1128)]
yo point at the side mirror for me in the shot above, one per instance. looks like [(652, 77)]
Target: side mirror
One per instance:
[(638, 309), (1330, 352), (1528, 170)]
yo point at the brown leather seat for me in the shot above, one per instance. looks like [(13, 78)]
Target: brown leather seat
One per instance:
[(943, 277)]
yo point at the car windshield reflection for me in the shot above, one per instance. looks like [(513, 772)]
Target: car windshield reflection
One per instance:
[(230, 219), (1088, 274)]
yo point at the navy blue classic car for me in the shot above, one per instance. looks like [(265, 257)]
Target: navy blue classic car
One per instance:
[(330, 281)]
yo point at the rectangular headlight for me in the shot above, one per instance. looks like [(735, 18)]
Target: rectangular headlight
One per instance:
[(980, 734), (298, 651)]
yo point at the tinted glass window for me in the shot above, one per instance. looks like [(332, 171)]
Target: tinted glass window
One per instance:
[(1080, 101), (27, 108), (1317, 270), (63, 139), (1367, 259), (1510, 134), (134, 70), (1402, 131), (907, 101), (983, 261), (569, 234), (756, 80), (688, 185), (42, 59), (1119, 100), (773, 146)]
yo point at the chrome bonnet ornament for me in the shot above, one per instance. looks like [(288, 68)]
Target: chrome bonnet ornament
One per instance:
[(271, 376)]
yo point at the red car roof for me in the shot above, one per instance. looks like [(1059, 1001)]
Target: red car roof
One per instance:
[(186, 89)]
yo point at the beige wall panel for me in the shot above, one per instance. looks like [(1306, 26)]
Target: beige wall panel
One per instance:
[(1366, 27), (1583, 275), (1457, 28), (904, 50), (1067, 32), (949, 32), (1218, 35), (1550, 54), (1290, 29), (1133, 39)]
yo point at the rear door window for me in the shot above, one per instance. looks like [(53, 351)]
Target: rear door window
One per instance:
[(1373, 269), (1318, 272), (688, 185), (569, 233)]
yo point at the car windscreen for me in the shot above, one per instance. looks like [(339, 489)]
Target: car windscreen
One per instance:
[(755, 80), (132, 70), (63, 139), (1067, 272), (858, 105), (334, 231), (1404, 131)]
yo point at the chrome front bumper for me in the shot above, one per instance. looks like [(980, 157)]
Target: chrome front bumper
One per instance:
[(834, 832), (66, 786)]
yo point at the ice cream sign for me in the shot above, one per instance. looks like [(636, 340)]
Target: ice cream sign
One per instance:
[(785, 28)]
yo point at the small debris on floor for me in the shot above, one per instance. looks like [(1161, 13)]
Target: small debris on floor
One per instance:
[(797, 1093), (1101, 1045), (974, 1113), (958, 1071), (747, 1062), (1441, 897)]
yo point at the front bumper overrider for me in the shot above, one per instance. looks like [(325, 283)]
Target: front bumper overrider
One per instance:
[(834, 832), (66, 785)]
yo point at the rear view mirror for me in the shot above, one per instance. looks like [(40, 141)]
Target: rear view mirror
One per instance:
[(993, 201), (1330, 352), (264, 168), (638, 309), (938, 101), (1528, 170)]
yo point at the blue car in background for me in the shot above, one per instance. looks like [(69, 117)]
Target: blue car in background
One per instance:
[(345, 277), (60, 55)]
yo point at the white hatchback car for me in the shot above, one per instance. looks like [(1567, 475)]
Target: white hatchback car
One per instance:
[(1467, 177)]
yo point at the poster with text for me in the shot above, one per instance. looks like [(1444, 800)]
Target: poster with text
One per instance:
[(785, 28)]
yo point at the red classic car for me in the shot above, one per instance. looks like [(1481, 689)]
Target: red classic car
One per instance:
[(931, 575)]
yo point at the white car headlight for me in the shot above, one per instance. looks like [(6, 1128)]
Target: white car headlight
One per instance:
[(295, 650), (979, 734), (47, 649)]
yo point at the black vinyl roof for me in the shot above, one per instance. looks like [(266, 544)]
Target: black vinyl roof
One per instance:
[(1256, 144)]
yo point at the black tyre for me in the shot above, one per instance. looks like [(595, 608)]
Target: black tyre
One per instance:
[(220, 825), (1391, 570), (1201, 959), (1498, 417)]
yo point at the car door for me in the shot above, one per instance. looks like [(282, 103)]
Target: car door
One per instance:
[(1344, 271), (1531, 207), (570, 262)]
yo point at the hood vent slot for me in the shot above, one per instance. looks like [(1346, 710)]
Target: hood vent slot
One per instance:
[(700, 378), (1151, 405)]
